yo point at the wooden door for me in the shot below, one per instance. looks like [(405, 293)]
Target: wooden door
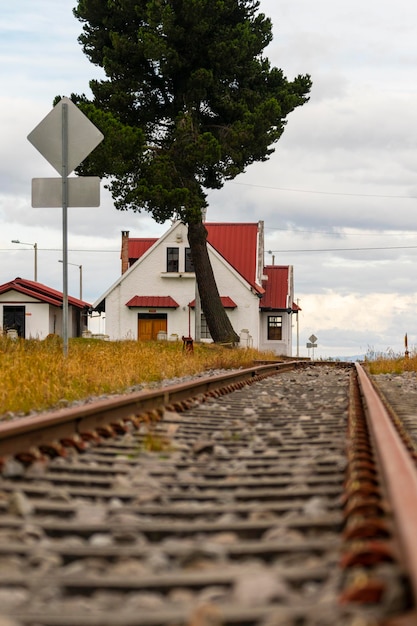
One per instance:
[(144, 330), (158, 326), (149, 327)]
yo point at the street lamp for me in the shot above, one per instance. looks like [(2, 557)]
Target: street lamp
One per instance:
[(80, 267), (35, 248)]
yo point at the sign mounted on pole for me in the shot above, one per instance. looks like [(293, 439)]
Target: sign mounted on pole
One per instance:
[(48, 139), (83, 136), (65, 137), (82, 191), (312, 343)]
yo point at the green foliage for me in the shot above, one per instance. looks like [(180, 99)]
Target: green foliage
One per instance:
[(189, 100)]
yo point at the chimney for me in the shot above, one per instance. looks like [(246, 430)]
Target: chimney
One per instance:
[(260, 252), (124, 255)]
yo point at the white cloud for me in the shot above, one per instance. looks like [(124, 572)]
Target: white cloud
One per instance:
[(355, 324), (333, 196)]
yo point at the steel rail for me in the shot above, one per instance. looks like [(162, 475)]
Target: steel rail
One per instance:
[(25, 433), (398, 470)]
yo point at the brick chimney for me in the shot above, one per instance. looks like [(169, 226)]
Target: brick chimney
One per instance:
[(124, 255)]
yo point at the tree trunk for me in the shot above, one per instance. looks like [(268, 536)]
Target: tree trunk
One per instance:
[(220, 327)]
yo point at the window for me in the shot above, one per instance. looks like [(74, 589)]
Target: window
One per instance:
[(275, 327), (173, 256), (189, 267), (204, 331)]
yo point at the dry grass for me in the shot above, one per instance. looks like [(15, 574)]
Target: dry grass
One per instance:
[(36, 376), (393, 365)]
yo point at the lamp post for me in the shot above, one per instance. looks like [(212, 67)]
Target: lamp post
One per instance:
[(35, 248), (80, 267)]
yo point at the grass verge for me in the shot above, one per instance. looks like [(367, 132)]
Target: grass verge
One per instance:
[(394, 365), (36, 376)]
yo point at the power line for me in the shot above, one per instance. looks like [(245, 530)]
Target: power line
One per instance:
[(400, 233), (58, 250), (342, 249), (326, 193)]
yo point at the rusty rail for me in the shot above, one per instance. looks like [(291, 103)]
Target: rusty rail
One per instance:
[(23, 434), (355, 516), (398, 470)]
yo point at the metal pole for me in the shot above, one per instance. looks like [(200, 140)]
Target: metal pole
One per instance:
[(298, 330), (197, 314), (35, 247), (65, 226), (80, 267)]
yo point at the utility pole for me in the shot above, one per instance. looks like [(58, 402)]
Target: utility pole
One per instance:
[(298, 329)]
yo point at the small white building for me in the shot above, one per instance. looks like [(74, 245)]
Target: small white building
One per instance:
[(29, 309), (155, 296)]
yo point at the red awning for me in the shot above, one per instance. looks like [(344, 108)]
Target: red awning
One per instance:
[(227, 302), (153, 302)]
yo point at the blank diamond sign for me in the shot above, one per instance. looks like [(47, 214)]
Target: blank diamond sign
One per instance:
[(65, 137), (83, 136), (65, 146)]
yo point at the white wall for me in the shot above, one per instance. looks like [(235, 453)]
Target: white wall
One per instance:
[(283, 347), (41, 318), (148, 277), (37, 313)]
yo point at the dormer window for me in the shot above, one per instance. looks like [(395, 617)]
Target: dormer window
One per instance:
[(173, 259)]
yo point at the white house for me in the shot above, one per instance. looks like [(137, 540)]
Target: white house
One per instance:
[(29, 309), (155, 295)]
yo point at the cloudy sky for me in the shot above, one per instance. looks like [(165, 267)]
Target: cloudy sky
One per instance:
[(338, 197)]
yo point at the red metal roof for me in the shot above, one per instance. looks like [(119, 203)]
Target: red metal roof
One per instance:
[(276, 288), (138, 246), (238, 244), (227, 303), (153, 302), (41, 292)]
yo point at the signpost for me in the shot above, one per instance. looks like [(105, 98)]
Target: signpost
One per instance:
[(312, 343), (65, 137)]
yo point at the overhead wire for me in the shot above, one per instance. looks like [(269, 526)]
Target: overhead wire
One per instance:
[(327, 193)]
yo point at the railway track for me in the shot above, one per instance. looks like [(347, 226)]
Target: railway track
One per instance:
[(264, 497)]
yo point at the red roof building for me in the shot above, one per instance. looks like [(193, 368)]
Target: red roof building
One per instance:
[(155, 295), (236, 242), (32, 309), (41, 292)]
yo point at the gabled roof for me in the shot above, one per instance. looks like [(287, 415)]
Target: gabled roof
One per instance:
[(41, 292), (138, 246), (153, 302), (276, 288), (227, 303), (237, 243)]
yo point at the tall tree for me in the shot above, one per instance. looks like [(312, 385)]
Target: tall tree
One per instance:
[(189, 101)]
